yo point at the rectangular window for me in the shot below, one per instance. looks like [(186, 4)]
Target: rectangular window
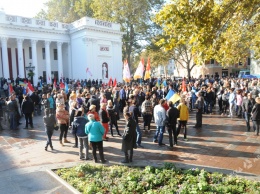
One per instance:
[(212, 61), (240, 63), (43, 53), (30, 52), (55, 54)]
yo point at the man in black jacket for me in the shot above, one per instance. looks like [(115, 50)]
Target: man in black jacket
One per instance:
[(27, 110), (247, 106), (172, 115)]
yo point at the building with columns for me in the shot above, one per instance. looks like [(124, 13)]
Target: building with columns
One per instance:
[(86, 48)]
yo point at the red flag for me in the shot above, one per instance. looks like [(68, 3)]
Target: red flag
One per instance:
[(30, 88), (110, 82), (183, 85), (115, 83), (62, 86), (11, 90)]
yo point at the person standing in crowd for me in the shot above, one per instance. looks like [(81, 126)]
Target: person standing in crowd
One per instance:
[(116, 101), (256, 116), (62, 116), (209, 100), (239, 100), (104, 119), (147, 112), (159, 119), (5, 87), (225, 104), (172, 115), (194, 90), (135, 113), (72, 112), (122, 94), (49, 122), (60, 99), (27, 110), (92, 110), (112, 117), (94, 101), (45, 102), (12, 112), (231, 101), (95, 132), (51, 102), (199, 107), (129, 138), (247, 106), (78, 128), (183, 119)]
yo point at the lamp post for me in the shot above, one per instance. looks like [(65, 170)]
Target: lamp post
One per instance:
[(30, 70)]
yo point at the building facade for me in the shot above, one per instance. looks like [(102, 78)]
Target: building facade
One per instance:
[(86, 48)]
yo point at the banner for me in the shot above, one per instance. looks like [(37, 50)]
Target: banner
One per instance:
[(126, 72), (140, 70), (148, 70)]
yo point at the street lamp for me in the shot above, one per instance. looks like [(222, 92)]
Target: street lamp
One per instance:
[(30, 70)]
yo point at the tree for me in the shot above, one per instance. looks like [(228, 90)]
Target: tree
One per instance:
[(225, 30), (66, 11), (134, 17)]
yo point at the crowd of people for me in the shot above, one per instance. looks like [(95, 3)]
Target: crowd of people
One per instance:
[(89, 112)]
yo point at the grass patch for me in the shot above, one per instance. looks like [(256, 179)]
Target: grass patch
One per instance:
[(91, 179)]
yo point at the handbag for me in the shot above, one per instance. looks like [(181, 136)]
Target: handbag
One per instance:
[(56, 127)]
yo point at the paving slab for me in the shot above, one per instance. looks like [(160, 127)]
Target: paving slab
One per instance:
[(222, 144)]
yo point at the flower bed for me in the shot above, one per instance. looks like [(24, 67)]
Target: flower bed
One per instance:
[(90, 179)]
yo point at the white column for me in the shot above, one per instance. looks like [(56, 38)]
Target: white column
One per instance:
[(89, 56), (95, 65), (20, 58), (48, 62), (69, 62), (60, 64), (34, 61), (1, 65), (6, 72)]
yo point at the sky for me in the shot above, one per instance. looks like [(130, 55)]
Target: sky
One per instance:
[(26, 8)]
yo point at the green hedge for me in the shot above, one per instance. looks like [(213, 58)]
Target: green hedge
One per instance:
[(92, 179)]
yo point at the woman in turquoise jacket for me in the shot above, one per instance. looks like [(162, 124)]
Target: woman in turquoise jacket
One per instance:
[(95, 132)]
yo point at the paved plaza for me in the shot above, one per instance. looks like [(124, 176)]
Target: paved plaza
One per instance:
[(221, 145)]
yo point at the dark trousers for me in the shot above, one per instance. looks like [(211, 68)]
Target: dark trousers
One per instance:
[(131, 155), (256, 125), (182, 123), (99, 146), (172, 132), (147, 120), (247, 118), (199, 118), (63, 131), (28, 119), (111, 127), (224, 106), (122, 104), (220, 105), (76, 140), (49, 135)]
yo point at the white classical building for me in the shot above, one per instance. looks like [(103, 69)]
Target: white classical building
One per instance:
[(86, 48)]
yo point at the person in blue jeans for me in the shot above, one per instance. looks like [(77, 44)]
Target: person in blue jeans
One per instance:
[(160, 121), (135, 113)]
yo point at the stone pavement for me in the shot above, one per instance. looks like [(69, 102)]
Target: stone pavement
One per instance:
[(221, 145)]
